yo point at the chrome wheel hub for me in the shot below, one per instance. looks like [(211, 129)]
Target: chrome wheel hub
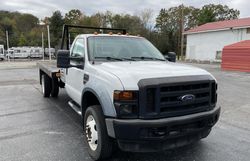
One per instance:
[(91, 132)]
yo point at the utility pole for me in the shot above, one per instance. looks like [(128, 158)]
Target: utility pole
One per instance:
[(49, 42), (69, 41), (7, 38), (43, 45), (182, 31)]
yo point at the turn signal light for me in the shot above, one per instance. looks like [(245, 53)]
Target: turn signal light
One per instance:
[(124, 95)]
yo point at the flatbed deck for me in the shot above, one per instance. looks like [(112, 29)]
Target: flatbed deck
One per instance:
[(48, 67)]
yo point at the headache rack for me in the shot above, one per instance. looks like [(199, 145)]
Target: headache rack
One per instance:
[(66, 28)]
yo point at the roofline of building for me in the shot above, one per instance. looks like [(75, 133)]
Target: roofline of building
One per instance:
[(222, 29)]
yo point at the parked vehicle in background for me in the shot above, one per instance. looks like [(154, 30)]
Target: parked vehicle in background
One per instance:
[(19, 52), (36, 52), (26, 52), (1, 52), (52, 52), (129, 95)]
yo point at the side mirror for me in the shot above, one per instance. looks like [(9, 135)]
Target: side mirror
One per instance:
[(78, 62), (171, 56), (63, 59)]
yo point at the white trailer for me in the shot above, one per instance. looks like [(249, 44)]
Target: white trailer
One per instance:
[(1, 52), (52, 51), (36, 52), (19, 52)]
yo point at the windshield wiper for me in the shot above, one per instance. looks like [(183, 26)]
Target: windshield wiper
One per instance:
[(148, 58), (128, 59), (108, 58)]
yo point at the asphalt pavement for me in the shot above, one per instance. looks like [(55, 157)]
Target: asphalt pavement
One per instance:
[(37, 128)]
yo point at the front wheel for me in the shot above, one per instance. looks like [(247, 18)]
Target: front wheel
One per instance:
[(99, 144)]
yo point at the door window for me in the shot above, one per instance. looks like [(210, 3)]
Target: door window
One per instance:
[(77, 54), (78, 49)]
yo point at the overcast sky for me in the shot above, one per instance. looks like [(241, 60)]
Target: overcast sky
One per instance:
[(42, 8)]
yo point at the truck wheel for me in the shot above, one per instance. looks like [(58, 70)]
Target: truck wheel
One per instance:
[(99, 144), (46, 85), (55, 88)]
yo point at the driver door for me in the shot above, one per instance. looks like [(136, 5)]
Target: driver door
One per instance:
[(74, 75)]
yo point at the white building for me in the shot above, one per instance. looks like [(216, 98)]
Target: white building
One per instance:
[(205, 42)]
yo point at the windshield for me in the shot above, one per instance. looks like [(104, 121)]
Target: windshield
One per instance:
[(118, 48)]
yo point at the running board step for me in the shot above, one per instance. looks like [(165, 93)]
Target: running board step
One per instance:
[(75, 107)]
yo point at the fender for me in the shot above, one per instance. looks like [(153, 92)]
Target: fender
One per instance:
[(104, 100)]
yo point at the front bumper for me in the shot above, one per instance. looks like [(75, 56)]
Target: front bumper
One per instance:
[(160, 134)]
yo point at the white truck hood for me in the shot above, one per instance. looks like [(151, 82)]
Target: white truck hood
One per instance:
[(130, 73)]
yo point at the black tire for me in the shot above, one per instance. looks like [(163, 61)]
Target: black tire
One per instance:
[(46, 85), (55, 88), (105, 144)]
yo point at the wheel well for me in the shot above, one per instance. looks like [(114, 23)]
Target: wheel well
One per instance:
[(89, 99)]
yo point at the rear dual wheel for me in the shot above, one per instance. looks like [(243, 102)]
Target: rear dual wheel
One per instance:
[(46, 85), (54, 88), (49, 86)]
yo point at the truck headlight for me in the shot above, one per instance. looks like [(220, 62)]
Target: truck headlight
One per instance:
[(126, 104)]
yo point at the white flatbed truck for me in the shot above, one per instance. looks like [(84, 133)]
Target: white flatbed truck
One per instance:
[(129, 95)]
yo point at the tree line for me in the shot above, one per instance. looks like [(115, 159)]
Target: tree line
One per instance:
[(164, 31)]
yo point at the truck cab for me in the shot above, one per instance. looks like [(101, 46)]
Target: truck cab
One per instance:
[(129, 95)]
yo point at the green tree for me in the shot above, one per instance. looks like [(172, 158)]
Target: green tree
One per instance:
[(133, 24), (7, 24), (171, 22), (25, 22), (24, 29), (2, 37), (22, 40), (212, 12), (56, 23), (73, 17), (18, 26), (34, 37)]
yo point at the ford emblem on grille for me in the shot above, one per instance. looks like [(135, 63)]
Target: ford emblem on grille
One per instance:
[(187, 98)]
